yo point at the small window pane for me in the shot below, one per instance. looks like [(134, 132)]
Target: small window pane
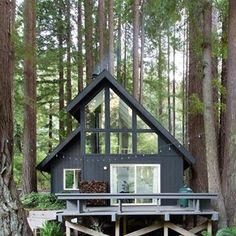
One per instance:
[(72, 179), (121, 143), (95, 112), (95, 143), (141, 124), (147, 143), (120, 112)]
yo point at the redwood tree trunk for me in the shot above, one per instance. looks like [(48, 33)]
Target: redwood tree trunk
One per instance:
[(12, 216), (80, 48), (111, 38), (60, 38), (68, 65), (88, 8), (195, 118), (136, 49), (214, 181), (229, 169), (29, 145), (101, 25)]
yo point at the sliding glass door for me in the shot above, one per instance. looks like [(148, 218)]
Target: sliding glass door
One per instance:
[(135, 178)]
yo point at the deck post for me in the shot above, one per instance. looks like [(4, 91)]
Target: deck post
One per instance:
[(165, 230), (209, 226), (67, 231), (117, 227)]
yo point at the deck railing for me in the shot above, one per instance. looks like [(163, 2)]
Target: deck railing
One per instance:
[(196, 201)]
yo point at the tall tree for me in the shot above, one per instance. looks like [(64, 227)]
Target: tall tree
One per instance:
[(88, 11), (136, 49), (68, 64), (101, 25), (229, 169), (111, 37), (142, 54), (61, 94), (118, 49), (12, 218), (195, 116), (214, 180), (29, 145), (174, 87), (80, 48)]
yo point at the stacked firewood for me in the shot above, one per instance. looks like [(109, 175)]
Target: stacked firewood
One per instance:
[(94, 187)]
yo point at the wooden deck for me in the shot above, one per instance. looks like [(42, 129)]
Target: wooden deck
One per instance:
[(199, 204)]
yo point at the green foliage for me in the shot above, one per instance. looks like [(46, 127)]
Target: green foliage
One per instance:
[(51, 229), (229, 231), (196, 105), (42, 201)]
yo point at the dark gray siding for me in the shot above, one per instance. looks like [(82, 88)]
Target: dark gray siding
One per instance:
[(93, 166), (67, 158)]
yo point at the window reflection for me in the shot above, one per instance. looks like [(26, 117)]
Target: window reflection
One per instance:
[(120, 112), (95, 143), (95, 112), (147, 143), (121, 143)]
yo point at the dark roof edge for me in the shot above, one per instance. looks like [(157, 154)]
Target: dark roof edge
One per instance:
[(50, 156), (70, 107)]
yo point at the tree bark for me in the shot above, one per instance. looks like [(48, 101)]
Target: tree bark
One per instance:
[(173, 90), (88, 8), (229, 169), (61, 94), (222, 133), (214, 181), (111, 37), (168, 86), (101, 25), (80, 48), (29, 145), (118, 49), (136, 49), (12, 217), (68, 65), (142, 55), (195, 119)]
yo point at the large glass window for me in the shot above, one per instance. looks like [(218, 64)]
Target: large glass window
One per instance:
[(141, 124), (71, 178), (147, 143), (95, 112), (95, 142), (135, 178), (120, 112), (120, 143)]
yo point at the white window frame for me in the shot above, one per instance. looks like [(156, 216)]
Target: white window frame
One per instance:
[(64, 178), (154, 202)]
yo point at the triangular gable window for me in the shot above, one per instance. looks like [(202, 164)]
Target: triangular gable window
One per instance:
[(95, 112), (141, 124), (120, 112)]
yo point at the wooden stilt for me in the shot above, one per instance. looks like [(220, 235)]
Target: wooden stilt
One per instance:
[(165, 230), (67, 231), (209, 227), (117, 227)]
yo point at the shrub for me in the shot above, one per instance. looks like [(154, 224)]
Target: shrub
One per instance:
[(51, 229), (42, 201)]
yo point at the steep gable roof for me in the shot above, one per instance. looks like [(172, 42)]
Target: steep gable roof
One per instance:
[(105, 78), (43, 165)]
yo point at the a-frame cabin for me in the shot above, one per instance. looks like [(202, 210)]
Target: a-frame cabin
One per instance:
[(118, 142)]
